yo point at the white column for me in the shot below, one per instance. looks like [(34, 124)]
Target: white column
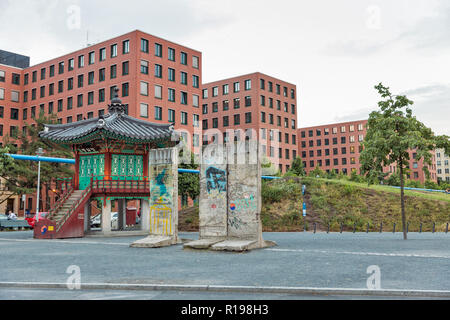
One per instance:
[(145, 215), (106, 217), (87, 216)]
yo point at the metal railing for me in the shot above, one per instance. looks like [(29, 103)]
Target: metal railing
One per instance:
[(380, 228)]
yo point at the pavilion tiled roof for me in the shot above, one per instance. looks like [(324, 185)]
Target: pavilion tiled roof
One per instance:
[(115, 124)]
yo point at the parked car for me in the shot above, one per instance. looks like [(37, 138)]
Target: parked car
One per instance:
[(96, 221), (32, 220)]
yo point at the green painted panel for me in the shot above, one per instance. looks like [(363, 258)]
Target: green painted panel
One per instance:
[(91, 165), (127, 167)]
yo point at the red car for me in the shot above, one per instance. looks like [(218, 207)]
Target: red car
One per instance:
[(32, 219)]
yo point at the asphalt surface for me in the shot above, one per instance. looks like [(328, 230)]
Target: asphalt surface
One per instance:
[(300, 260)]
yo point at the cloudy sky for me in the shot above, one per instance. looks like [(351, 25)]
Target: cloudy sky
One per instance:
[(334, 51)]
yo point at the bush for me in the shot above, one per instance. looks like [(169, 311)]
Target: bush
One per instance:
[(413, 184)]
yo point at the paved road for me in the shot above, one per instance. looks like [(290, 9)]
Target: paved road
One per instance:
[(300, 260)]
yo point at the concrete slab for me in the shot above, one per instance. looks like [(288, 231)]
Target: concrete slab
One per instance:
[(154, 242), (202, 244), (241, 245)]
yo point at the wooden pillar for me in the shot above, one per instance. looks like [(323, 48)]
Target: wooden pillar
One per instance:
[(145, 167), (108, 165), (76, 179)]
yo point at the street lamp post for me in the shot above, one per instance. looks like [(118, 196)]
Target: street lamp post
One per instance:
[(39, 153)]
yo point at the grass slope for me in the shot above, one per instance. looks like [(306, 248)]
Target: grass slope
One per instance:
[(339, 201)]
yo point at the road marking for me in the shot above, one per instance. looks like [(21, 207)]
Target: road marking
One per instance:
[(65, 241), (364, 253)]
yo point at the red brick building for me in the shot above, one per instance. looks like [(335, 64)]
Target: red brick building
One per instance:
[(158, 79), (337, 147), (254, 104)]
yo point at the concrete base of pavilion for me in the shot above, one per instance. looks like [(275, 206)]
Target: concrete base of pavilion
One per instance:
[(233, 245), (155, 241)]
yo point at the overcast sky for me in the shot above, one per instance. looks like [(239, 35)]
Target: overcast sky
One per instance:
[(334, 51)]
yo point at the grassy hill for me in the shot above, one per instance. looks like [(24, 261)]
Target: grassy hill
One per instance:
[(339, 201)]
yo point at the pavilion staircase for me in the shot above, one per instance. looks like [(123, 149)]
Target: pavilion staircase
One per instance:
[(66, 218)]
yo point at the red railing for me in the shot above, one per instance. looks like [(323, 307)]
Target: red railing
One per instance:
[(120, 186), (74, 207)]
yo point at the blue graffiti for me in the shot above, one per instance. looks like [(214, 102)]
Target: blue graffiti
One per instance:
[(160, 183), (216, 180)]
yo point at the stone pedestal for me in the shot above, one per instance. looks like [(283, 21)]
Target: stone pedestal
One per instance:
[(106, 217)]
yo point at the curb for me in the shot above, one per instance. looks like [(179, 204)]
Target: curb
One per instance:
[(235, 289)]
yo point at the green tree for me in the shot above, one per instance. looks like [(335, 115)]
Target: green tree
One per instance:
[(297, 167), (392, 132), (189, 183), (21, 176)]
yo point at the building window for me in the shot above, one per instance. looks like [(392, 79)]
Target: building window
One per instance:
[(126, 46), (205, 109), (195, 82), (183, 78), (226, 121), (183, 58), (113, 50), (183, 97), (215, 122), (144, 45), (113, 71), (90, 98), (171, 117), (215, 91), (16, 78), (125, 68), (205, 93), (237, 103), (81, 61), (158, 91), (80, 81), (158, 50), (184, 118), (14, 114), (237, 119), (144, 88), (236, 87), (158, 113), (61, 67), (171, 54), (225, 89), (125, 89), (263, 117), (60, 86), (51, 72), (171, 95), (91, 57), (225, 105), (102, 54), (79, 100), (171, 74), (248, 101), (196, 120), (69, 103), (91, 76), (248, 84), (195, 100), (158, 71), (101, 75), (15, 95), (195, 62), (248, 117), (69, 84)]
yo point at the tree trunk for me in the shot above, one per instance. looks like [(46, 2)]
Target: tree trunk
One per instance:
[(402, 197)]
